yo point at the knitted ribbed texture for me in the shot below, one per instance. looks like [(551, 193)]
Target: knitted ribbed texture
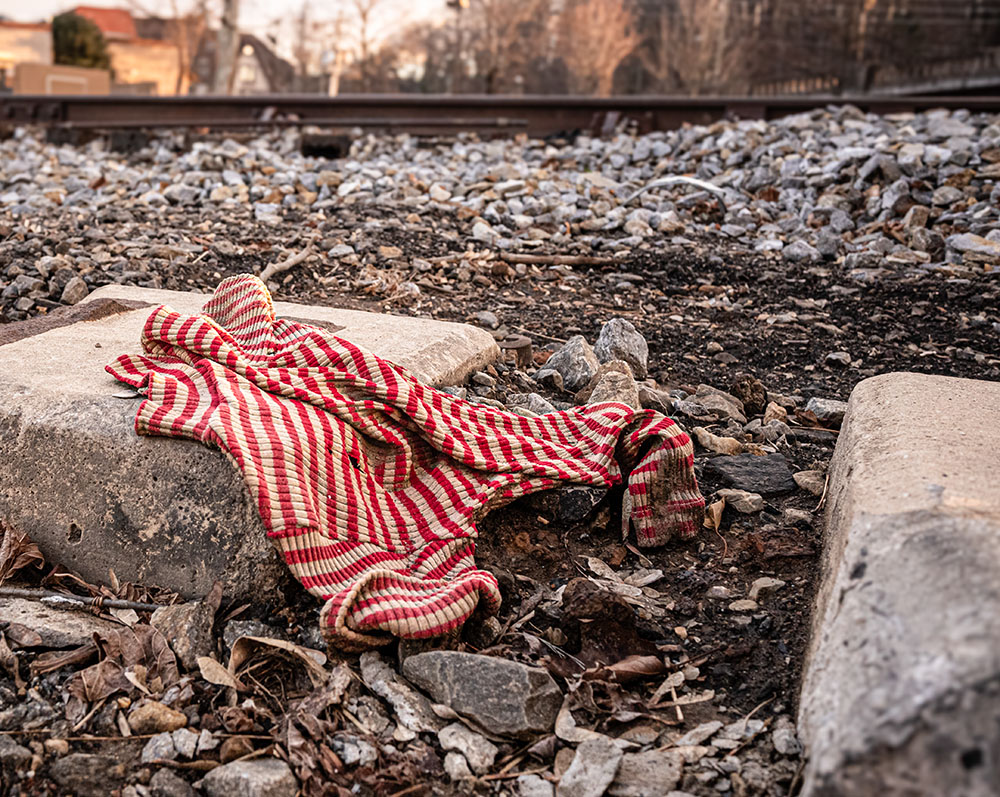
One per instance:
[(370, 483)]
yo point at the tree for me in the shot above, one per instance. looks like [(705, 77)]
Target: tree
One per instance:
[(364, 10), (228, 43), (510, 33), (596, 36), (687, 47), (186, 32), (77, 41)]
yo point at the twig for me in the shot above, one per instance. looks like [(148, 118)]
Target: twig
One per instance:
[(277, 268), (539, 335), (409, 790), (509, 775), (677, 708), (75, 601), (665, 182), (735, 750), (558, 260), (201, 764), (97, 707), (822, 498)]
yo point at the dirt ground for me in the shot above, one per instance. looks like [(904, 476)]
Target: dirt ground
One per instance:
[(710, 313)]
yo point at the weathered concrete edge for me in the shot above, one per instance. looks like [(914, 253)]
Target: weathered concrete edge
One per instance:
[(464, 348), (901, 686)]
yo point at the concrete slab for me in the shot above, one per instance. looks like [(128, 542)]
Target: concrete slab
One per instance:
[(902, 687), (436, 352), (94, 495)]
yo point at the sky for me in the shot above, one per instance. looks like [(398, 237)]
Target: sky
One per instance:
[(256, 16)]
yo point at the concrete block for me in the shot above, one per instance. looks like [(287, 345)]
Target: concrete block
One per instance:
[(902, 687), (436, 352), (95, 496)]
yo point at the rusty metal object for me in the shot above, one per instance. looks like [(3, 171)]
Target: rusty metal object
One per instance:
[(521, 346), (536, 115)]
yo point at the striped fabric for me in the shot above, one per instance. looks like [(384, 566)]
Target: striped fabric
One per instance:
[(369, 483)]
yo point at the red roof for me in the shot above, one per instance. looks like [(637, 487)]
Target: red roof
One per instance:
[(114, 23)]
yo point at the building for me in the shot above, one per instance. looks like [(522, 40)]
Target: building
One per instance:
[(23, 43), (147, 62), (258, 70), (139, 65), (115, 24)]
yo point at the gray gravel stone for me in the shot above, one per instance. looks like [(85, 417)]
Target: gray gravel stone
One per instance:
[(593, 769), (619, 340), (654, 773), (800, 251), (87, 775), (159, 747), (479, 751), (263, 777), (829, 411), (166, 784), (502, 697), (616, 386), (576, 363), (13, 757)]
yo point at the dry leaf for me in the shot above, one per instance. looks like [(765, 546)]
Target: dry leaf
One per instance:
[(630, 668), (9, 662), (127, 649), (673, 681), (215, 673), (688, 700), (713, 515), (136, 676), (567, 729), (16, 553), (125, 616), (21, 636), (57, 659), (246, 646)]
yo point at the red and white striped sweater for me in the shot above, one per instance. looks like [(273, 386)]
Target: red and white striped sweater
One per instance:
[(370, 483)]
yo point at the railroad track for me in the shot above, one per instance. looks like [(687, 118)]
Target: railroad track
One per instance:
[(434, 114)]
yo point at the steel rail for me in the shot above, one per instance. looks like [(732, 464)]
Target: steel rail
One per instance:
[(535, 114), (341, 122)]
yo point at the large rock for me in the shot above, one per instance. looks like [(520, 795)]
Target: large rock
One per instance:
[(902, 687), (94, 495), (767, 475), (502, 697)]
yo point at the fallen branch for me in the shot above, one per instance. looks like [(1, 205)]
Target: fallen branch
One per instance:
[(666, 182), (559, 260), (75, 601), (271, 269)]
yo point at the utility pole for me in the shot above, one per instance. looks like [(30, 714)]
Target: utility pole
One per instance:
[(228, 42)]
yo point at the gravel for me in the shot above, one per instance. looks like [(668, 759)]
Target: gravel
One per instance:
[(811, 188)]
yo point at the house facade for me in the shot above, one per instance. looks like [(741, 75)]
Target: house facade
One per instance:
[(22, 43), (139, 65)]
